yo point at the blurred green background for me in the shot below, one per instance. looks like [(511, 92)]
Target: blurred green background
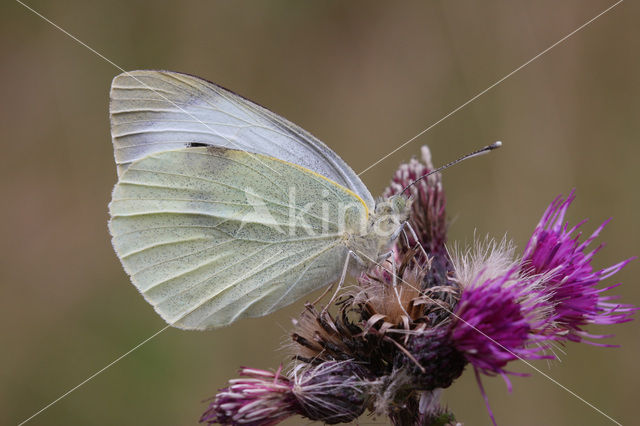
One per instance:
[(362, 76)]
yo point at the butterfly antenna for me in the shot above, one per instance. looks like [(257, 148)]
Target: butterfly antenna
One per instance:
[(481, 151)]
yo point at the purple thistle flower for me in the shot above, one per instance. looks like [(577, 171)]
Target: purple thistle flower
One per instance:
[(493, 324), (427, 217), (570, 281), (428, 210), (263, 398), (332, 392)]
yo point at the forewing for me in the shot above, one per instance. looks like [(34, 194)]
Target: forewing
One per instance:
[(154, 111), (211, 235)]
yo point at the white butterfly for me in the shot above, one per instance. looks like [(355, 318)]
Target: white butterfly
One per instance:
[(201, 216)]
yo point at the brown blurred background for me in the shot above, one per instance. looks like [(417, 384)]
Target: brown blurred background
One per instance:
[(363, 77)]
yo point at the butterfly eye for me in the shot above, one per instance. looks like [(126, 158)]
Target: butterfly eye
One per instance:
[(384, 207), (399, 204)]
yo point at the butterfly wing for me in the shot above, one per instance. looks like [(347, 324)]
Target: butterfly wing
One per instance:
[(154, 111), (210, 235)]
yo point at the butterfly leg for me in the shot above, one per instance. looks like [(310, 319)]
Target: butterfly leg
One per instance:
[(407, 225)]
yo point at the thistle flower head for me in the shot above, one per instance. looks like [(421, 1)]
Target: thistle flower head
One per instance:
[(407, 295), (415, 315), (556, 252), (332, 392), (260, 398), (493, 324), (427, 216)]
